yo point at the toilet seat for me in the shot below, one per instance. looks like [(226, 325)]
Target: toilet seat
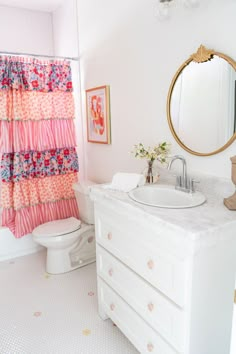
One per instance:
[(57, 227)]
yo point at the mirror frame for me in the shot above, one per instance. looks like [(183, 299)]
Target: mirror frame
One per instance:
[(202, 55)]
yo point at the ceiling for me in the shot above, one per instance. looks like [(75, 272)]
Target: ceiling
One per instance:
[(37, 5)]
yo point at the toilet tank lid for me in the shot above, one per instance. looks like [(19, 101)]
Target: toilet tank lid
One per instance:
[(83, 187), (57, 227)]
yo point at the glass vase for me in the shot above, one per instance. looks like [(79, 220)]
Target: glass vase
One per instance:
[(151, 172)]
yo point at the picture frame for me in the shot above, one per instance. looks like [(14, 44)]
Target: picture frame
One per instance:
[(98, 115)]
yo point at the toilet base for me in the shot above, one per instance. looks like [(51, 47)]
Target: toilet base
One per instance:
[(54, 263), (81, 253)]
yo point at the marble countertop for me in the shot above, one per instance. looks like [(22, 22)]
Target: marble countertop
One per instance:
[(197, 221)]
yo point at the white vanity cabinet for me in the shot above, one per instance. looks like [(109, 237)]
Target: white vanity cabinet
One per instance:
[(168, 286)]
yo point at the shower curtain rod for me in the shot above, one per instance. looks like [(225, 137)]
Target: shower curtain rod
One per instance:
[(40, 55)]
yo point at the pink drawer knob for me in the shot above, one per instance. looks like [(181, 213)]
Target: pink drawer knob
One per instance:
[(112, 307), (150, 264), (109, 235), (150, 347), (110, 272), (150, 307), (90, 239)]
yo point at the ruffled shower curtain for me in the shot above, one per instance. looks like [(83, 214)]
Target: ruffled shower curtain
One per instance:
[(39, 163)]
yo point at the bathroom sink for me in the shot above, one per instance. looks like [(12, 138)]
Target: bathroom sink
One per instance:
[(163, 196)]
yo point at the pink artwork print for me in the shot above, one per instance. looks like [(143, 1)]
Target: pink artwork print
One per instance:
[(98, 115)]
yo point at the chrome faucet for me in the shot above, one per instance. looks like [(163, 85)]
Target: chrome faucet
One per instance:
[(183, 183)]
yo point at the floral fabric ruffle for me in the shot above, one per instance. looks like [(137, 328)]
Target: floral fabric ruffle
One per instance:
[(23, 221), (30, 164), (31, 105), (37, 191), (34, 75)]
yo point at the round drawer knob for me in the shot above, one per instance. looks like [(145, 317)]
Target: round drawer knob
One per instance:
[(112, 307), (150, 264), (109, 235), (90, 239), (150, 307), (110, 272), (150, 347)]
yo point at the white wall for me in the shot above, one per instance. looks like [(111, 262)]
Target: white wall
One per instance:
[(123, 45), (65, 34), (25, 31)]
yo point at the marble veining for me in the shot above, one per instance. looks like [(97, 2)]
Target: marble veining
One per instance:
[(197, 222)]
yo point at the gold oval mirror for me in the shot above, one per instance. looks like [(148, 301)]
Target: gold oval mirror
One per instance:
[(201, 108)]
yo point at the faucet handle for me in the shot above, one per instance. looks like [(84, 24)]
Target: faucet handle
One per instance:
[(192, 182)]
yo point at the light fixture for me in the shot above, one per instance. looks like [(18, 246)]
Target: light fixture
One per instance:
[(163, 7), (191, 3)]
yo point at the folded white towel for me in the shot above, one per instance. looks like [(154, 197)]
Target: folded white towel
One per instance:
[(125, 182)]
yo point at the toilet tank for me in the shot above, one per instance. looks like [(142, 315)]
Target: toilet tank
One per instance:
[(85, 204)]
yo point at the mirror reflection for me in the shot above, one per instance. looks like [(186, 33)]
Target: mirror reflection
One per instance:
[(202, 105)]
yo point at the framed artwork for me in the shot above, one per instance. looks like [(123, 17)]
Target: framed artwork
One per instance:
[(98, 115)]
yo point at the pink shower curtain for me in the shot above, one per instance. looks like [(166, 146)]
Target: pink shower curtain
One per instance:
[(39, 163)]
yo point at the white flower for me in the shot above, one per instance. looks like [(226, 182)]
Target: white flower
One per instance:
[(158, 152)]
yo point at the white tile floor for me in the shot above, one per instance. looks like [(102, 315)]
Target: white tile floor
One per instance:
[(42, 314)]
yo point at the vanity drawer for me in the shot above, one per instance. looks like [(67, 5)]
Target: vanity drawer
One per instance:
[(144, 338), (160, 313), (136, 247)]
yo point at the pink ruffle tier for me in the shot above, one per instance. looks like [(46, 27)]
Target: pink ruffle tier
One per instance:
[(16, 136), (33, 105), (23, 221), (35, 191)]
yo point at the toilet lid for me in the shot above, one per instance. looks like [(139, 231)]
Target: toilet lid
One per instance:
[(57, 227)]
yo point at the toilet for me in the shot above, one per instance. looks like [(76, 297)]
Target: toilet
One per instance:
[(70, 242)]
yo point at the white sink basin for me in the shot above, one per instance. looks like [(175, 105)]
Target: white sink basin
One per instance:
[(166, 197)]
